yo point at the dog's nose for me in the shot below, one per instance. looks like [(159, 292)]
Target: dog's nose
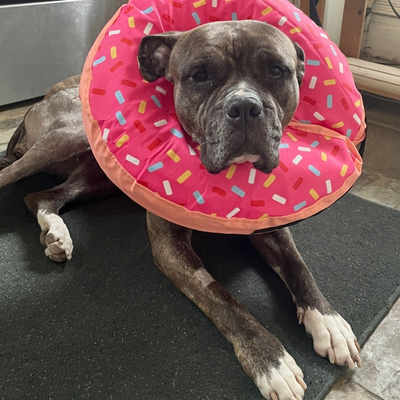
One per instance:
[(243, 108)]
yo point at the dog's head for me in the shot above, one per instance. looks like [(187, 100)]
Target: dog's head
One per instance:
[(236, 86)]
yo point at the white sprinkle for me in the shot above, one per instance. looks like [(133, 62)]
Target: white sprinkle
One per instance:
[(357, 119), (341, 68), (313, 82), (319, 116), (233, 212), (161, 122), (252, 176), (132, 159), (105, 134), (297, 159), (191, 151), (304, 149), (282, 21), (167, 188), (324, 35), (214, 3), (161, 90), (148, 28), (116, 32), (279, 199), (328, 186)]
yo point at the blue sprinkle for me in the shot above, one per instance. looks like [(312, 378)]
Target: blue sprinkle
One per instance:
[(148, 10), (99, 61), (155, 167), (198, 197), (234, 16), (300, 206), (333, 50), (315, 143), (348, 133), (238, 191), (120, 118), (329, 101), (297, 16), (156, 101), (119, 97), (314, 170), (313, 62), (196, 18), (283, 146), (303, 121), (176, 133)]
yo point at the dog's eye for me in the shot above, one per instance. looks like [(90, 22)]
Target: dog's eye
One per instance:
[(276, 72), (200, 77)]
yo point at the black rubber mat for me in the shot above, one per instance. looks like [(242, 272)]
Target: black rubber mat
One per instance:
[(108, 325)]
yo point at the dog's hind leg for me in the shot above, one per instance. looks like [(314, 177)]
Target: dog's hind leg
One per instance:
[(332, 335), (48, 150), (86, 182)]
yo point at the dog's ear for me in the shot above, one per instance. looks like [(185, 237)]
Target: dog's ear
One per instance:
[(154, 53), (300, 63)]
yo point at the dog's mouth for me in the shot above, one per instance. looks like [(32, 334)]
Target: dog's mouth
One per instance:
[(251, 158)]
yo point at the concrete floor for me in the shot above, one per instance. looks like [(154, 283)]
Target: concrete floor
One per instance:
[(380, 182)]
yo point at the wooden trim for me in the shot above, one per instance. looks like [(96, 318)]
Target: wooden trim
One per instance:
[(353, 27), (378, 79)]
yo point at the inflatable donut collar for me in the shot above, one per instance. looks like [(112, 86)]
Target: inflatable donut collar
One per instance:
[(139, 143)]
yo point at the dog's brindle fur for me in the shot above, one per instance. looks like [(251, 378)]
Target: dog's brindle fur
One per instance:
[(235, 89)]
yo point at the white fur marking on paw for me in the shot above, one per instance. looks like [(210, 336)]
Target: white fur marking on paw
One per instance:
[(283, 383), (57, 239), (332, 336)]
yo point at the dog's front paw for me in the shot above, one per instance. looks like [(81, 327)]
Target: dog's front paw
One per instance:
[(282, 382), (272, 369), (332, 337), (55, 237)]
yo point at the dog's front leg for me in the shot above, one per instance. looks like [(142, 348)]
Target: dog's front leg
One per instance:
[(332, 335), (262, 356)]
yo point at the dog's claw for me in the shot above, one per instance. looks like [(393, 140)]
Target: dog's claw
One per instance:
[(358, 346), (300, 315), (273, 396), (350, 363), (331, 356), (358, 360), (301, 382)]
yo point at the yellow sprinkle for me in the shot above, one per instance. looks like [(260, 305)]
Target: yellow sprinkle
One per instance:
[(264, 216), (327, 137), (338, 125), (358, 103), (184, 176), (142, 107), (324, 156), (213, 214), (292, 137), (344, 170), (266, 11), (269, 181), (330, 82), (328, 62), (199, 3), (113, 52), (314, 194), (231, 171), (131, 22), (295, 30), (173, 156), (122, 140)]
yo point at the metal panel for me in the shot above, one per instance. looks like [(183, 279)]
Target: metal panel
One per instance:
[(44, 43)]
